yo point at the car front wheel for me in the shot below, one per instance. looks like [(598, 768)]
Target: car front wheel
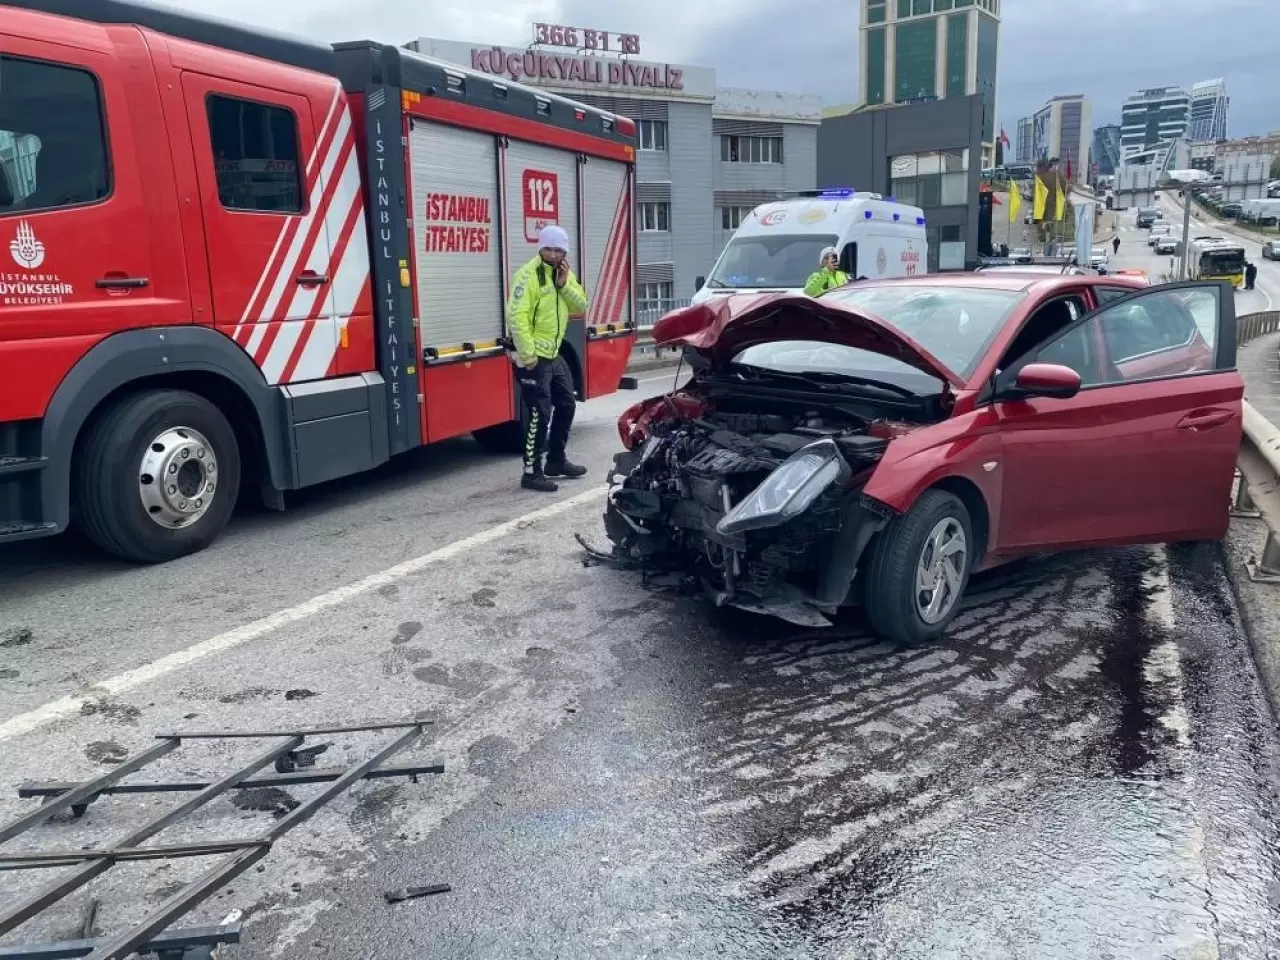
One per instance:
[(919, 570)]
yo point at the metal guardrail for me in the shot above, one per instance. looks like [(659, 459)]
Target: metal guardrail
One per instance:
[(1258, 487)]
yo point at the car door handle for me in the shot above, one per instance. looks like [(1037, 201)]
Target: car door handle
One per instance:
[(309, 278), (1204, 419), (121, 283)]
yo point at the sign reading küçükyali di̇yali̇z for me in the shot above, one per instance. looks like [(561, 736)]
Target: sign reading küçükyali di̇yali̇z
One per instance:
[(595, 71)]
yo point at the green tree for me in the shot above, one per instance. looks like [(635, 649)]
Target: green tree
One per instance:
[(1275, 168)]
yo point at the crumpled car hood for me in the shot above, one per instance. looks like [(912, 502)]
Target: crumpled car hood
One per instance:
[(720, 329)]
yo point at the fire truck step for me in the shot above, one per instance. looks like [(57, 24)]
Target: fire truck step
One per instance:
[(22, 531), (9, 466)]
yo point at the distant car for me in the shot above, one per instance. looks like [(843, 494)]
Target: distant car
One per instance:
[(1099, 260), (1147, 216), (1158, 230), (1032, 269), (1166, 244), (882, 442), (1271, 250)]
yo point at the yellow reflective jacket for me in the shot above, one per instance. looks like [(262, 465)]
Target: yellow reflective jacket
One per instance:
[(825, 280), (538, 313)]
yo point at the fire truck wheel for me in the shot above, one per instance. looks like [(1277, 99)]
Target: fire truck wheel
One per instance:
[(157, 476), (503, 438)]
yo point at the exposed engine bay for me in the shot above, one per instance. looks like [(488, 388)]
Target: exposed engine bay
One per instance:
[(765, 509)]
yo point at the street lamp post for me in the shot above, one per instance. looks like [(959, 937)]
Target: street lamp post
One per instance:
[(1185, 187)]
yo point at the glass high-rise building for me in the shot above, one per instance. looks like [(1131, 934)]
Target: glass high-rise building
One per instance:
[(1209, 104), (931, 50)]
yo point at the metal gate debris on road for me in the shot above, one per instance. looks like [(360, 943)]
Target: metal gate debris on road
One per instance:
[(293, 762)]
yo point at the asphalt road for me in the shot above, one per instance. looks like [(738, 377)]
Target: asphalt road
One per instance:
[(1085, 768)]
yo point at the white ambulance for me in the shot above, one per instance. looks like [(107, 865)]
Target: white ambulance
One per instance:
[(778, 244)]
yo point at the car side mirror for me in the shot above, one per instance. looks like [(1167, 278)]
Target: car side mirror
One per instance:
[(1047, 380), (698, 283)]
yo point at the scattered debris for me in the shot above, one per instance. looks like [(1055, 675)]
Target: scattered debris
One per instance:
[(412, 893), (300, 694), (294, 762), (16, 637)]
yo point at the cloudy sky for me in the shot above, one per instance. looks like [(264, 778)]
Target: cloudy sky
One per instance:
[(1105, 49)]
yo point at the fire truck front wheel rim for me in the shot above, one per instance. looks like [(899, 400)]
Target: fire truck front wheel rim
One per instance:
[(178, 477)]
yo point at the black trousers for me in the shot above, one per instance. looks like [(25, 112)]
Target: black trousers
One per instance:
[(547, 406)]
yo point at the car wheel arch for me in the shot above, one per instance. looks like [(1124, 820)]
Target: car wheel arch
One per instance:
[(975, 501)]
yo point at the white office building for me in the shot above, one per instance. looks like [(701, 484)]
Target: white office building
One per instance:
[(1154, 116)]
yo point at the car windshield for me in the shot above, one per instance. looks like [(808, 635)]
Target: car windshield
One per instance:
[(955, 324), (784, 261)]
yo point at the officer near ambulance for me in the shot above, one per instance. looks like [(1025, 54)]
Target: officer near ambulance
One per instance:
[(828, 276), (544, 294)]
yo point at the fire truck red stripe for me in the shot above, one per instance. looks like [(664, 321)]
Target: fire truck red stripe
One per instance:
[(335, 261), (608, 267), (304, 255), (271, 272), (616, 259)]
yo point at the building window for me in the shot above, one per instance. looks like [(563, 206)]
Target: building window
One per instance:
[(255, 155), (655, 217), (62, 103), (904, 9), (916, 61), (875, 66), (922, 6), (652, 134), (737, 149), (934, 179), (653, 300), (957, 54), (875, 11), (731, 217)]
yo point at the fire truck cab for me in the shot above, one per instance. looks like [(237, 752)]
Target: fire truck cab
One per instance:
[(231, 259)]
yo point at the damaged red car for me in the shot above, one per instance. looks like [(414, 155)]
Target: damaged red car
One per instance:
[(883, 442)]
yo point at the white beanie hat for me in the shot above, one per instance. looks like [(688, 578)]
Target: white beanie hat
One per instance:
[(828, 252), (553, 237)]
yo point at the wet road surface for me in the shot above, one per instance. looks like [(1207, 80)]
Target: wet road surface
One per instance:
[(1085, 768)]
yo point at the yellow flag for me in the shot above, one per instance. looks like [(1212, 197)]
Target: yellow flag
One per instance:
[(1015, 202), (1061, 208), (1040, 200)]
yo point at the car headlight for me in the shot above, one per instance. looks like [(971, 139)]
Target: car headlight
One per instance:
[(790, 490)]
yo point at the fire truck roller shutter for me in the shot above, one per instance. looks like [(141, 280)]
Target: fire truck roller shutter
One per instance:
[(541, 188), (607, 268), (456, 237)]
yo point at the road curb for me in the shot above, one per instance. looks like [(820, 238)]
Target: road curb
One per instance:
[(1258, 604)]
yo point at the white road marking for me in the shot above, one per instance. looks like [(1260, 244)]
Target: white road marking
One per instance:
[(121, 683), (1164, 663)]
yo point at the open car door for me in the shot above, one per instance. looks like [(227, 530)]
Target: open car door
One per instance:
[(1146, 451)]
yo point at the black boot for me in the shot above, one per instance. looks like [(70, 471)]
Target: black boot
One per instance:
[(562, 466), (536, 479)]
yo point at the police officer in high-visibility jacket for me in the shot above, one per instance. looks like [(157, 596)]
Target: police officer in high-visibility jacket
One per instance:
[(829, 274), (544, 294)]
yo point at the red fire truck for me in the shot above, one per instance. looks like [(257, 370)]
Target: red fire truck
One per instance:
[(231, 259)]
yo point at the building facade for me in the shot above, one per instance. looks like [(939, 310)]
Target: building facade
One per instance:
[(1153, 116), (1209, 106), (1026, 140), (1106, 154), (926, 154), (705, 156), (912, 50), (1060, 130)]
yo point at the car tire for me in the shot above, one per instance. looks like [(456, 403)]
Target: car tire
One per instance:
[(890, 597), (133, 444), (504, 438)]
